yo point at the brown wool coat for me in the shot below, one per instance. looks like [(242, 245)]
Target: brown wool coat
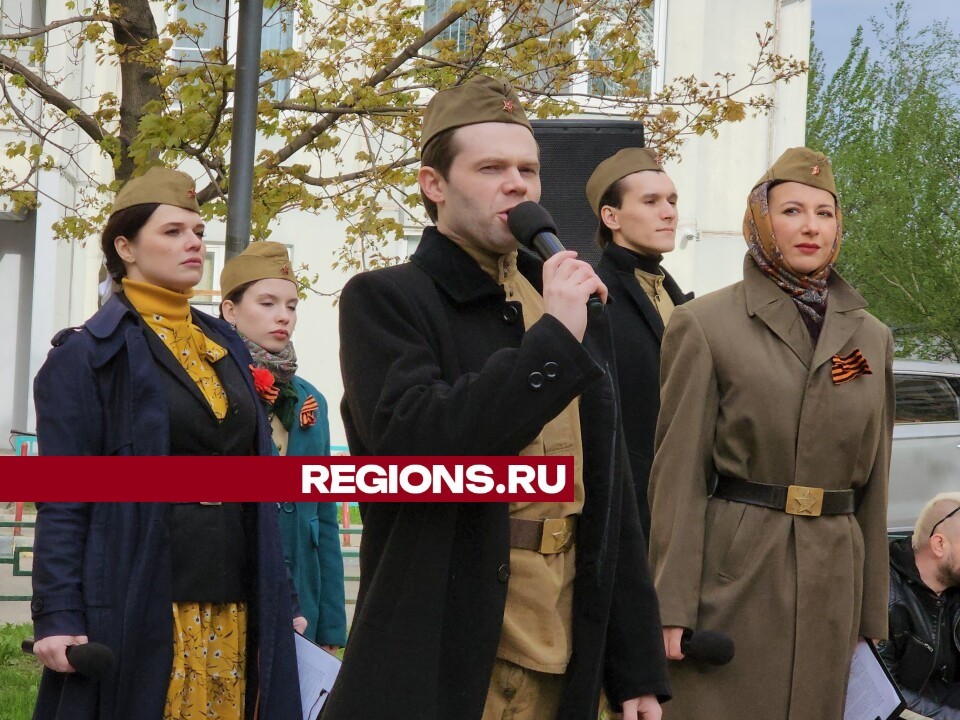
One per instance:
[(745, 392)]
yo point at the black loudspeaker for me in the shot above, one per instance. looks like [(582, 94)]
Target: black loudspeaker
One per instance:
[(569, 152)]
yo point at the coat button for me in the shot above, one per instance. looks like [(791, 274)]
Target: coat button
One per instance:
[(551, 370), (36, 605), (503, 573), (510, 314), (535, 380)]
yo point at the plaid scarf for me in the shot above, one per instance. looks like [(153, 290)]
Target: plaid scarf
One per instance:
[(283, 366), (809, 292)]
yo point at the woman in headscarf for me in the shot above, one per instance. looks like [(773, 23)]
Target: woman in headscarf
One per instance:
[(769, 485), (192, 598), (260, 300)]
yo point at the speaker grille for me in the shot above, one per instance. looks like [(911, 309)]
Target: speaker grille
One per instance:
[(569, 152)]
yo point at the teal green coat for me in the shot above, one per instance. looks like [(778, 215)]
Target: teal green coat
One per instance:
[(311, 535)]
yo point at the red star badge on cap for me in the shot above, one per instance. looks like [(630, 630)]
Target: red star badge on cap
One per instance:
[(815, 170), (285, 270), (508, 105), (191, 193)]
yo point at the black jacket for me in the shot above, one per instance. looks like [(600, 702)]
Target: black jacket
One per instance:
[(637, 332), (924, 638), (435, 361)]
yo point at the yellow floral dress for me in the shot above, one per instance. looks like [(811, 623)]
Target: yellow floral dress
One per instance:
[(209, 662)]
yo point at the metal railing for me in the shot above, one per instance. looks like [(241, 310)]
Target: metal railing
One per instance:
[(22, 545)]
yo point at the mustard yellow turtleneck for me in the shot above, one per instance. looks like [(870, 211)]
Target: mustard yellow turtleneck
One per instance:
[(167, 313)]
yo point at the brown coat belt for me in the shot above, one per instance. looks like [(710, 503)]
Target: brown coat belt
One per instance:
[(791, 499), (554, 535)]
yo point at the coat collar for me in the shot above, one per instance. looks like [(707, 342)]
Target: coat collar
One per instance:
[(622, 262), (459, 275), (111, 323), (777, 310)]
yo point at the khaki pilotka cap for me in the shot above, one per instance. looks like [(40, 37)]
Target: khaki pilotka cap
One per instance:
[(804, 166), (482, 99), (262, 260), (626, 162), (161, 185)]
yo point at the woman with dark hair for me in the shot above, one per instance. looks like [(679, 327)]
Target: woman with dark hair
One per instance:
[(769, 486), (192, 598), (260, 301)]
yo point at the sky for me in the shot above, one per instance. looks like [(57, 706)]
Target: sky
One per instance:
[(835, 22)]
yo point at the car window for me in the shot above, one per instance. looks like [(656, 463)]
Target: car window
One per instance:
[(925, 398)]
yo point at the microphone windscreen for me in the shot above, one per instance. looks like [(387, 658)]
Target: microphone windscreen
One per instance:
[(527, 219), (91, 659), (713, 648)]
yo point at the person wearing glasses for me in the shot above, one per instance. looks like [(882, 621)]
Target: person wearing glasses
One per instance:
[(768, 494), (923, 652)]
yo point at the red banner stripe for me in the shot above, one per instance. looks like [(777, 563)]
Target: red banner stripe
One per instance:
[(286, 479)]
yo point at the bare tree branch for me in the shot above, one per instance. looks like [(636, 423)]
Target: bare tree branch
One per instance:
[(51, 95), (312, 133), (79, 19)]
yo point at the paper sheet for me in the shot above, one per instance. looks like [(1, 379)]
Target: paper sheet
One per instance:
[(871, 692), (318, 670)]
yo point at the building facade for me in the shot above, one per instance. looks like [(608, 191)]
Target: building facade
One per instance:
[(46, 285)]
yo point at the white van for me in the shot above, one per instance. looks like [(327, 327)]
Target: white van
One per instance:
[(926, 438)]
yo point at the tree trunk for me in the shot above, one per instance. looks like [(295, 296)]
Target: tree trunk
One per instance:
[(138, 80)]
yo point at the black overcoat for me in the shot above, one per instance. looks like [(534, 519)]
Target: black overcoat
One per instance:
[(104, 569), (435, 361), (637, 331)]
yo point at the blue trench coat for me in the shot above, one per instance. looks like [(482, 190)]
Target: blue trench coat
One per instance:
[(103, 569)]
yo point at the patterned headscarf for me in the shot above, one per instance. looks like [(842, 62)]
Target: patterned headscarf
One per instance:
[(808, 291)]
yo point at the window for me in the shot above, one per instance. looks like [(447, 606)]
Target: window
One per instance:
[(278, 35), (434, 11), (925, 398), (219, 30), (206, 294), (606, 41), (211, 17)]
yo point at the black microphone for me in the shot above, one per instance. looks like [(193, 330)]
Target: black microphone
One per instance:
[(707, 646), (533, 227), (90, 659)]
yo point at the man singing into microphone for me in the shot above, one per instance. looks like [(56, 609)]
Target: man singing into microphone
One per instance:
[(472, 610)]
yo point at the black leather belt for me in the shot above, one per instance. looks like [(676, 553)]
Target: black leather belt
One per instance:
[(791, 499)]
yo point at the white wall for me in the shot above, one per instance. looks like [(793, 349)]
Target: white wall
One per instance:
[(716, 175)]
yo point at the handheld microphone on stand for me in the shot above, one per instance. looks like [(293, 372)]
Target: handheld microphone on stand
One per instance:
[(533, 228), (90, 659)]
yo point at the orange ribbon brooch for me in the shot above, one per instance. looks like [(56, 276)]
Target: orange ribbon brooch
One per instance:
[(849, 367), (308, 413)]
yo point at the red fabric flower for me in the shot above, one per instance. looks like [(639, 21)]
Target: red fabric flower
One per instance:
[(264, 383)]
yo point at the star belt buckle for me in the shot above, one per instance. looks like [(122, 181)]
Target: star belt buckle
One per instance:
[(557, 536), (806, 501)]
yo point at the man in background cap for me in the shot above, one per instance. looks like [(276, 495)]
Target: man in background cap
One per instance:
[(477, 610), (636, 203)]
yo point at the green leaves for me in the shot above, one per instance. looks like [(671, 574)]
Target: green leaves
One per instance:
[(358, 74), (891, 124)]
